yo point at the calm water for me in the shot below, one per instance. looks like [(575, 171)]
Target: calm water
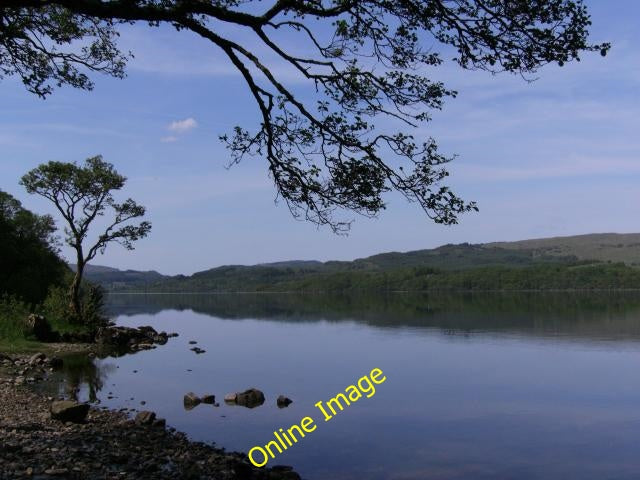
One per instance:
[(529, 386)]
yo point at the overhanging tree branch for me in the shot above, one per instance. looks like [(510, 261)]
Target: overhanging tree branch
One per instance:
[(335, 150)]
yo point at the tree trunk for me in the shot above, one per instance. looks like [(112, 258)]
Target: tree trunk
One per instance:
[(74, 291)]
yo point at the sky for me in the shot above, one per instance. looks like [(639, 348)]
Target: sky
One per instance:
[(557, 156)]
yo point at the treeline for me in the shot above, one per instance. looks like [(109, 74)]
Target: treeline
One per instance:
[(538, 277), (544, 276), (29, 263)]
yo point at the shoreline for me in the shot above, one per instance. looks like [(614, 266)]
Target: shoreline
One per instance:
[(107, 445)]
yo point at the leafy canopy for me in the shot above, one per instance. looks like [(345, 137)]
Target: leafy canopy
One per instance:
[(334, 151), (82, 193)]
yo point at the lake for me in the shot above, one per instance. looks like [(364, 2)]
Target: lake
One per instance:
[(478, 386)]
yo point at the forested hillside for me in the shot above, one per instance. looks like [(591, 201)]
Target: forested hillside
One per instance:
[(559, 263)]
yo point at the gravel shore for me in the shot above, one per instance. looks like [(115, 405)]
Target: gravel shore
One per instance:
[(108, 445)]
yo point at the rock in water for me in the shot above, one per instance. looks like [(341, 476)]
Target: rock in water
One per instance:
[(127, 339), (69, 411), (230, 397), (284, 401), (210, 399), (145, 418), (191, 400), (250, 398)]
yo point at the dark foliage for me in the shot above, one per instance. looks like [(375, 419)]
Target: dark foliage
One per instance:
[(29, 264)]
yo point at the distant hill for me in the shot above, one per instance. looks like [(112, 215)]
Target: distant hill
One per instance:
[(115, 279), (601, 261), (293, 264), (606, 247)]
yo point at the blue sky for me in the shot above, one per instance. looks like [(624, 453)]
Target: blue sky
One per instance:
[(559, 156)]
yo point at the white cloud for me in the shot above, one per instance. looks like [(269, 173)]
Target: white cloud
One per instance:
[(182, 126), (169, 139)]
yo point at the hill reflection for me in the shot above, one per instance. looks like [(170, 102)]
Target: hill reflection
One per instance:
[(593, 315)]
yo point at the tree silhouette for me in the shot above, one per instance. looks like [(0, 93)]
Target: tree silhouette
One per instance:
[(365, 60), (82, 194)]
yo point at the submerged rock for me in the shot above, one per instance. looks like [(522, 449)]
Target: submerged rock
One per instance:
[(69, 411)]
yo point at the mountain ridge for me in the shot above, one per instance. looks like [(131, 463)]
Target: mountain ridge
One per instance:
[(570, 251)]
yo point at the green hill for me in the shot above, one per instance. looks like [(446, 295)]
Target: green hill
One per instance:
[(598, 261), (114, 279), (606, 247)]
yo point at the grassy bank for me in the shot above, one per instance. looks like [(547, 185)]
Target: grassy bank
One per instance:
[(14, 336)]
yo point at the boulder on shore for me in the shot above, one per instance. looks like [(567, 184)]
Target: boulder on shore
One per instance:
[(69, 411), (40, 328), (37, 358), (159, 423), (145, 418)]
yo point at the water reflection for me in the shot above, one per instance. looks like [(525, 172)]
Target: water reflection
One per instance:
[(80, 378), (572, 315), (480, 386)]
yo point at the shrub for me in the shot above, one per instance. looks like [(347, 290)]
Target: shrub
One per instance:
[(13, 313), (56, 309)]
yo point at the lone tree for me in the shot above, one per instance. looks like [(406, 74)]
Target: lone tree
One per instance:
[(365, 62), (82, 193)]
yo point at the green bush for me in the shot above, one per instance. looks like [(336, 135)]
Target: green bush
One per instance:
[(13, 312), (56, 309), (93, 308)]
